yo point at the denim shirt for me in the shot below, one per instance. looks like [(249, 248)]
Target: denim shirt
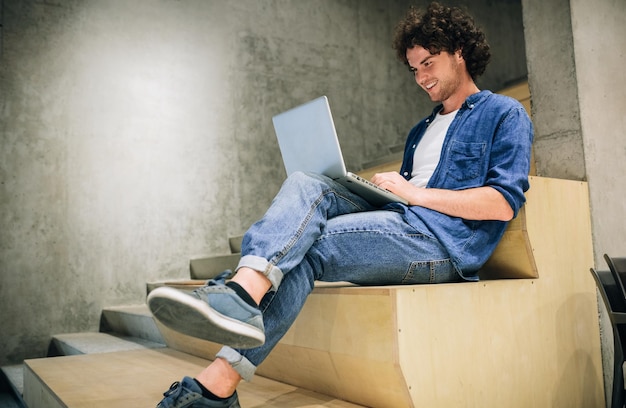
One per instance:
[(487, 144)]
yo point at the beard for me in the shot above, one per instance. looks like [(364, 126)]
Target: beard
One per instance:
[(446, 87)]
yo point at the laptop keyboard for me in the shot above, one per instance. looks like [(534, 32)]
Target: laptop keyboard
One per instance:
[(366, 181)]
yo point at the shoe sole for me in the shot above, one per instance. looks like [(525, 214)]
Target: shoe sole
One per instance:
[(194, 317)]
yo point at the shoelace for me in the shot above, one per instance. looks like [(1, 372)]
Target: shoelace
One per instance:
[(174, 391), (219, 280), (175, 397)]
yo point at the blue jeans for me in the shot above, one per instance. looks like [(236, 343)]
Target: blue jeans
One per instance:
[(316, 229)]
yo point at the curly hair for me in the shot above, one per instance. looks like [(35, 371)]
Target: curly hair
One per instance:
[(442, 28)]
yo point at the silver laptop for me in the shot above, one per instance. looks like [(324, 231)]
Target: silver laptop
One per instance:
[(308, 142)]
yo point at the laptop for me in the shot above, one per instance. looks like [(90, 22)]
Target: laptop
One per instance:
[(308, 142)]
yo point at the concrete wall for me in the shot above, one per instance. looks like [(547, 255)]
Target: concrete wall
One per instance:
[(137, 134), (552, 80), (599, 36), (576, 60), (600, 50)]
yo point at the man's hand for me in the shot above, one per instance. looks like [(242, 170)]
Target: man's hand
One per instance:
[(479, 203), (395, 183)]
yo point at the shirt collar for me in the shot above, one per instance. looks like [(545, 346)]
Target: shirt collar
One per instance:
[(469, 103)]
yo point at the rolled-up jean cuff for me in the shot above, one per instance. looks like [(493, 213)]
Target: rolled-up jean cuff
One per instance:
[(242, 365), (272, 272)]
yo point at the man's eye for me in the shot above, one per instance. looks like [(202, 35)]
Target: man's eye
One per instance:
[(413, 70)]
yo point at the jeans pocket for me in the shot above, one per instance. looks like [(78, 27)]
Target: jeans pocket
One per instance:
[(435, 271)]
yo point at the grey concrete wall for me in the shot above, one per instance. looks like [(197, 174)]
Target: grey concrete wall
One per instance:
[(599, 35), (137, 134), (552, 79), (576, 65), (600, 49), (575, 55)]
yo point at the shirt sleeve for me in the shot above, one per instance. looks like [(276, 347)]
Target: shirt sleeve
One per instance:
[(509, 162)]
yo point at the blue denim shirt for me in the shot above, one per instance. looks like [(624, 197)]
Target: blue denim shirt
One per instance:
[(487, 144)]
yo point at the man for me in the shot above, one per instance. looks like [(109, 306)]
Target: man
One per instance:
[(464, 175)]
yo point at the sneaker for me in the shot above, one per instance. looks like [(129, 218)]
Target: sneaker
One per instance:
[(214, 313), (187, 394)]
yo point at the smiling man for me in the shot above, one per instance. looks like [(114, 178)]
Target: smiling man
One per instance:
[(464, 174)]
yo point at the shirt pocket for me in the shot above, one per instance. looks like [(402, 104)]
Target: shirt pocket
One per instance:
[(466, 160)]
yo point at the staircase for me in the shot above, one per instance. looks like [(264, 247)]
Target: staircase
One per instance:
[(128, 363)]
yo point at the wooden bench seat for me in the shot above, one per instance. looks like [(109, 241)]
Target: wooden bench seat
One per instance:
[(494, 343)]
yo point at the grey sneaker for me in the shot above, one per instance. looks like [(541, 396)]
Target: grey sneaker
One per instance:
[(187, 394), (214, 312)]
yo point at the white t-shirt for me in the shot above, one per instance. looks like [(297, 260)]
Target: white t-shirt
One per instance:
[(428, 151)]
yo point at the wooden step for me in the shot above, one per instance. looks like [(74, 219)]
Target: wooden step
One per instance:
[(138, 378), (512, 343), (129, 327)]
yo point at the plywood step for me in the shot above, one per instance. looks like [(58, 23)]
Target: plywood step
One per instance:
[(128, 328), (512, 343), (137, 378)]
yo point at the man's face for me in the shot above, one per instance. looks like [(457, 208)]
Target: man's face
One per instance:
[(440, 75)]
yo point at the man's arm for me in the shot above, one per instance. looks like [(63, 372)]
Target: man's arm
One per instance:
[(480, 203)]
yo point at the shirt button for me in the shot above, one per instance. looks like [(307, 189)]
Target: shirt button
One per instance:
[(406, 173), (414, 146)]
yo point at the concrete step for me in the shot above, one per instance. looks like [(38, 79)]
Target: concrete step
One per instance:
[(14, 380), (94, 343), (211, 266), (235, 244), (182, 284), (208, 267), (134, 321), (138, 378)]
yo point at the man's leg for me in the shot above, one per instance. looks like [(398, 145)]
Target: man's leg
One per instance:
[(297, 217), (278, 242), (373, 248), (220, 377), (228, 313), (279, 309), (367, 248)]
